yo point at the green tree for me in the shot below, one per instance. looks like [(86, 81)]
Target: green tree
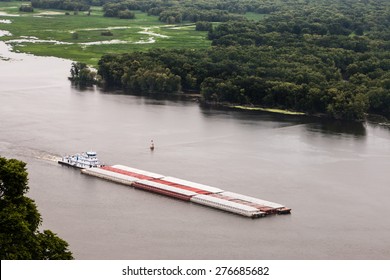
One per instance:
[(126, 14), (20, 219), (82, 75), (13, 178), (203, 26), (26, 8)]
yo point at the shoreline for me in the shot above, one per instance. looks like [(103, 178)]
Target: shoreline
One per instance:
[(269, 110)]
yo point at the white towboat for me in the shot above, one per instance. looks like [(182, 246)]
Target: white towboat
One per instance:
[(83, 160)]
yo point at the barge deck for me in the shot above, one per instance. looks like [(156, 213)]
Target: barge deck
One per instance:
[(188, 191)]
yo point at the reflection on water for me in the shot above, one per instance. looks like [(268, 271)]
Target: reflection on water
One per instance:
[(341, 128), (326, 126)]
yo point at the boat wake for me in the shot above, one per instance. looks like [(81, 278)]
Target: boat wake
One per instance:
[(24, 153), (47, 157), (39, 154)]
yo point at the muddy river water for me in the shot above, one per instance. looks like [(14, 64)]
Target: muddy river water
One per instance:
[(334, 175)]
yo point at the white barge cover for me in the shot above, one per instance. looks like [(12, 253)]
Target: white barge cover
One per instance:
[(253, 200), (138, 171), (192, 184), (228, 206)]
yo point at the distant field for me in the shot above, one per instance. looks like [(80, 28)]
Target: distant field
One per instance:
[(50, 33)]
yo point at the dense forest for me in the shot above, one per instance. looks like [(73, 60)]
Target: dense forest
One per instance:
[(327, 57), (324, 57), (20, 238)]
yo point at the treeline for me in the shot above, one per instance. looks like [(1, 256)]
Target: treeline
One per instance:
[(170, 11), (178, 11), (321, 57), (243, 75), (20, 238), (68, 5)]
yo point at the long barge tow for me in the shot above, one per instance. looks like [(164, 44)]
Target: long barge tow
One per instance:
[(186, 190)]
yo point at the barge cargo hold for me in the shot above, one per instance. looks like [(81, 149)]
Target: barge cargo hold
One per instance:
[(188, 191)]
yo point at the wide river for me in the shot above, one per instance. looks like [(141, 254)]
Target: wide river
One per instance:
[(334, 175)]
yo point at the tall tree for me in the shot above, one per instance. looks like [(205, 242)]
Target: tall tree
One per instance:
[(20, 219)]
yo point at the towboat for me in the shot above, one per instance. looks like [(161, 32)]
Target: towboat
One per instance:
[(83, 160)]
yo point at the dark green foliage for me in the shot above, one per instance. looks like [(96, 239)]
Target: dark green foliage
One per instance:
[(26, 8), (81, 75), (204, 26), (55, 248), (126, 14), (106, 33), (325, 57), (69, 5), (20, 219), (141, 74), (13, 178), (173, 11)]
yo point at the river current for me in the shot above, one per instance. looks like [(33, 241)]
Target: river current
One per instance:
[(334, 175)]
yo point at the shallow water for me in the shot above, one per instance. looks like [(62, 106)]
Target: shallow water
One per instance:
[(334, 175)]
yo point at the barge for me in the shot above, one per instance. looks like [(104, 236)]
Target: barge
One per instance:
[(174, 187), (188, 191)]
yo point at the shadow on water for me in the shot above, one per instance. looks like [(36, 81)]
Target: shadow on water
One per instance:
[(152, 98), (338, 128), (313, 124), (212, 110)]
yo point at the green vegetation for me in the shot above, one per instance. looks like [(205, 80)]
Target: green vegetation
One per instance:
[(69, 5), (53, 31), (20, 219), (26, 8), (327, 57), (81, 75)]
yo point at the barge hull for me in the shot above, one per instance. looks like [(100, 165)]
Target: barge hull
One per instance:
[(70, 165), (228, 206), (110, 176)]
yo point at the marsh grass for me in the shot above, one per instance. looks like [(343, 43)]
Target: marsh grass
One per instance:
[(55, 25)]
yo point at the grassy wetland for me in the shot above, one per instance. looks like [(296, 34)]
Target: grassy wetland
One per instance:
[(79, 37)]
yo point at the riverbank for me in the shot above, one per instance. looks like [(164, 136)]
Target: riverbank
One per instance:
[(269, 110)]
